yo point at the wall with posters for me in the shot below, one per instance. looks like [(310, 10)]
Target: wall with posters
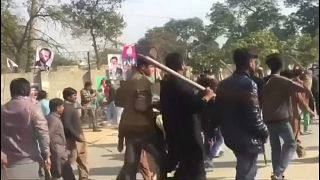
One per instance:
[(52, 82)]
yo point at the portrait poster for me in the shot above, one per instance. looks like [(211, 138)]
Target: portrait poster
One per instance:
[(129, 55), (44, 58), (115, 66)]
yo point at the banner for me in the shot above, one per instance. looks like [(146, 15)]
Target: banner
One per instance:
[(129, 55), (11, 64), (44, 58), (115, 66)]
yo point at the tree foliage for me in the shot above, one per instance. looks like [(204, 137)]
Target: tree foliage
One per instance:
[(16, 31), (236, 19), (97, 19), (165, 41), (263, 42), (301, 48), (186, 30)]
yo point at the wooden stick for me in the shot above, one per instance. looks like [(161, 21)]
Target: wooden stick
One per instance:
[(168, 70)]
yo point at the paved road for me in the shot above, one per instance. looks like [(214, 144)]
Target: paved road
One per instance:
[(105, 161)]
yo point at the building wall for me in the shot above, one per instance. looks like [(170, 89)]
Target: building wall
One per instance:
[(52, 82)]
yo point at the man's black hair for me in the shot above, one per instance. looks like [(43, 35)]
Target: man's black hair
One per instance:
[(208, 82), (287, 73), (274, 62), (142, 62), (242, 57), (46, 49), (114, 57), (174, 61), (54, 104), (42, 95), (20, 87), (67, 92), (87, 84)]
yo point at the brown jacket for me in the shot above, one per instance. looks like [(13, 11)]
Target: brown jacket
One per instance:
[(71, 122), (276, 98), (87, 97), (135, 97), (57, 138), (23, 126)]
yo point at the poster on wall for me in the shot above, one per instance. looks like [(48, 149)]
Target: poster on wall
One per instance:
[(44, 58), (115, 66), (129, 59), (129, 55)]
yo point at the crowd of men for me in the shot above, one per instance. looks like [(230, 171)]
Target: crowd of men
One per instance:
[(241, 111)]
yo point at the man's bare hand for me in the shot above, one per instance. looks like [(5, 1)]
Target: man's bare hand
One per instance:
[(209, 94), (4, 159), (47, 163)]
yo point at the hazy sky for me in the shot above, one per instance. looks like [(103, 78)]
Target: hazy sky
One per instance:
[(140, 16)]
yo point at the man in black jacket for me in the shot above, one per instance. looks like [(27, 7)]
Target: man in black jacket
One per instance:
[(179, 106), (242, 127)]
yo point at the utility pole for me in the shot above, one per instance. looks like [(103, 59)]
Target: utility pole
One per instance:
[(89, 65)]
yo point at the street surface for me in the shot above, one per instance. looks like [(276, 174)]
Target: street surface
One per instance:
[(105, 161)]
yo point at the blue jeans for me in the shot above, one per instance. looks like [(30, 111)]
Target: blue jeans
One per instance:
[(218, 142), (246, 168), (281, 155), (111, 112)]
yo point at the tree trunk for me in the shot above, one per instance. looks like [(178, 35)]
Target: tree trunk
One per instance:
[(31, 34), (20, 61), (96, 52)]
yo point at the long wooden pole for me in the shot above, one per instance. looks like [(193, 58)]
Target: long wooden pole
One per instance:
[(168, 70)]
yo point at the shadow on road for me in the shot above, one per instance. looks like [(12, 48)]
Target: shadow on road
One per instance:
[(105, 171), (230, 164), (306, 160), (312, 148), (118, 157), (112, 145)]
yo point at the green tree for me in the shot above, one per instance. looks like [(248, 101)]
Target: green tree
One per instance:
[(15, 32), (166, 42), (236, 19), (208, 61), (307, 16), (186, 30), (263, 42), (97, 19), (301, 48)]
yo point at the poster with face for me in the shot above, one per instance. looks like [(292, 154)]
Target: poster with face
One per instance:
[(44, 58), (115, 66), (129, 55)]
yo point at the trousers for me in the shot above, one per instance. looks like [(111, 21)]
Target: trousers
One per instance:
[(281, 155), (134, 147), (89, 113), (246, 168), (78, 154)]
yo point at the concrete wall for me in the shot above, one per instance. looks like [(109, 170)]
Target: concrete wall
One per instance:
[(52, 82)]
